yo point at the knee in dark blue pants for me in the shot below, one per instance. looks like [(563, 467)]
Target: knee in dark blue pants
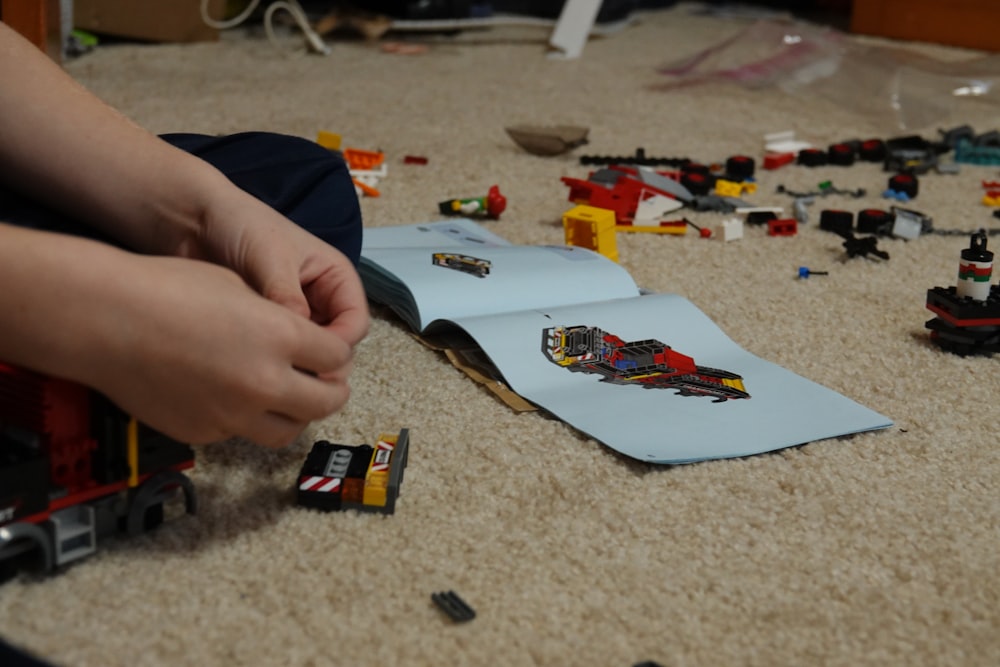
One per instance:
[(299, 178)]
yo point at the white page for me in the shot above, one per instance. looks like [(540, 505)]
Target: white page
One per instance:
[(456, 269)]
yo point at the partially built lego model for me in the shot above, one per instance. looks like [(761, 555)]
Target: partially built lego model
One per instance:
[(968, 314), (362, 477), (74, 469)]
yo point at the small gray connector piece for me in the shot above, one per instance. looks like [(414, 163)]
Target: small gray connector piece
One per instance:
[(455, 607), (800, 208), (948, 167), (716, 203)]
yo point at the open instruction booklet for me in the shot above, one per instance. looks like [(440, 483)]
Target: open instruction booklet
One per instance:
[(648, 375)]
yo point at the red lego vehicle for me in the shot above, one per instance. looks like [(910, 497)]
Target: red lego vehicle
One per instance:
[(74, 468)]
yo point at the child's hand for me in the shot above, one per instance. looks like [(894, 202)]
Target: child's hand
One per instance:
[(282, 262), (189, 349)]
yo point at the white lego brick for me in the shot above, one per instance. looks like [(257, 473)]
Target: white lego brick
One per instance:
[(730, 229)]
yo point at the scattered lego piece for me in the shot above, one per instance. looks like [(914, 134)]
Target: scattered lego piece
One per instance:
[(592, 228), (823, 189), (904, 183), (414, 159), (366, 478), (872, 150), (674, 227), (876, 221), (553, 140), (828, 188), (405, 48), (805, 272), (455, 607), (655, 207), (717, 203), (328, 140), (841, 154), (909, 224), (970, 153), (799, 208), (359, 159), (730, 229), (782, 227), (968, 315), (640, 158), (863, 246), (761, 216), (777, 160), (740, 168), (491, 205), (836, 221), (784, 142), (812, 157)]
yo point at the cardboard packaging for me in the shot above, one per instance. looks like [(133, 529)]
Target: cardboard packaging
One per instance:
[(149, 20)]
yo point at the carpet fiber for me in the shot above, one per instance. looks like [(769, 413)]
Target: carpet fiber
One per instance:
[(878, 549)]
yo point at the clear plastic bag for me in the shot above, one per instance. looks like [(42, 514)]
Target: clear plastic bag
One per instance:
[(911, 90)]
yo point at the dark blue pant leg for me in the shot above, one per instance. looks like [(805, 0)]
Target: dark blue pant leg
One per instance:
[(297, 177), (304, 181)]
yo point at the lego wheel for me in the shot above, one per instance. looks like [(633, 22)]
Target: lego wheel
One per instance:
[(906, 183), (740, 167), (146, 509), (812, 157), (836, 221), (840, 154), (875, 221), (24, 547), (872, 150), (697, 182)]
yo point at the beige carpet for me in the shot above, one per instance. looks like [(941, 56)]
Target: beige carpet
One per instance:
[(881, 549)]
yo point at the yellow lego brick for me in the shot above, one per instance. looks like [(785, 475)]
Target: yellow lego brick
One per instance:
[(592, 228), (328, 140)]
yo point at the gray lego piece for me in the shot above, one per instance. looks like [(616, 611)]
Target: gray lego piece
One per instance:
[(668, 185)]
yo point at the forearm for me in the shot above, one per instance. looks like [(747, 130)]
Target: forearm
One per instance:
[(53, 302), (62, 145)]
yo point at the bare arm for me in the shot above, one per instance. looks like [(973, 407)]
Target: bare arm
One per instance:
[(62, 145), (245, 323)]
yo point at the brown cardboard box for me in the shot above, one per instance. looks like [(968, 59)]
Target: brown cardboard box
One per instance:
[(974, 24), (153, 20)]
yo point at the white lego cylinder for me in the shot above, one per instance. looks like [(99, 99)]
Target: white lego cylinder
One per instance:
[(975, 270)]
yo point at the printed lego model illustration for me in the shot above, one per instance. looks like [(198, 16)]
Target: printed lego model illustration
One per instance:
[(968, 314), (363, 477), (464, 263), (491, 206), (74, 469), (647, 363)]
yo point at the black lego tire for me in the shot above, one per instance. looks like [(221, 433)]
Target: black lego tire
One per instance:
[(840, 154), (836, 221), (875, 221), (812, 157), (906, 183), (698, 183), (872, 150), (740, 167)]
